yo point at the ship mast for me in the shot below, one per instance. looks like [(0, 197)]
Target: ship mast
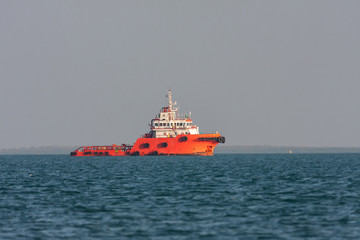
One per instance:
[(170, 100)]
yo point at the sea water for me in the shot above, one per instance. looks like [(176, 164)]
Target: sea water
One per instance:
[(227, 196)]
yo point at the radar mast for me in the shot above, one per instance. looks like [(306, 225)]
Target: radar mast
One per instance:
[(170, 100)]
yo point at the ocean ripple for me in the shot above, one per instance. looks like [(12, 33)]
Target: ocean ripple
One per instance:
[(227, 196)]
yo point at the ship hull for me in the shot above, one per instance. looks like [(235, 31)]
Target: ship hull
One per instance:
[(197, 144)]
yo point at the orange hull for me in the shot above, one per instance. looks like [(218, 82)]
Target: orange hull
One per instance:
[(197, 144)]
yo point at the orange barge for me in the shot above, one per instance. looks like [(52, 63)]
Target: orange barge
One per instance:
[(170, 134)]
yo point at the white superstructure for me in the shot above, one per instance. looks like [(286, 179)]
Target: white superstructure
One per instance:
[(169, 123)]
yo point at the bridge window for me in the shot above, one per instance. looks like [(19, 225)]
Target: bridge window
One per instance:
[(156, 124), (167, 124)]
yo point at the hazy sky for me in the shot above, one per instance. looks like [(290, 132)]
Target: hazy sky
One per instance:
[(260, 72)]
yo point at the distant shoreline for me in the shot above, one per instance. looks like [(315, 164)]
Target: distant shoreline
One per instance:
[(284, 149), (218, 150)]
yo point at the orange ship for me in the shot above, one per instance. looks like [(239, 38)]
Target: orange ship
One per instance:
[(170, 134)]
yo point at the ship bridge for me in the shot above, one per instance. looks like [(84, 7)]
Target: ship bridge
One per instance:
[(169, 123)]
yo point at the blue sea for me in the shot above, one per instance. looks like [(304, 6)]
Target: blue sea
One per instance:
[(227, 196)]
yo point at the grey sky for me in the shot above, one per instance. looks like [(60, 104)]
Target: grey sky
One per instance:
[(260, 72)]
